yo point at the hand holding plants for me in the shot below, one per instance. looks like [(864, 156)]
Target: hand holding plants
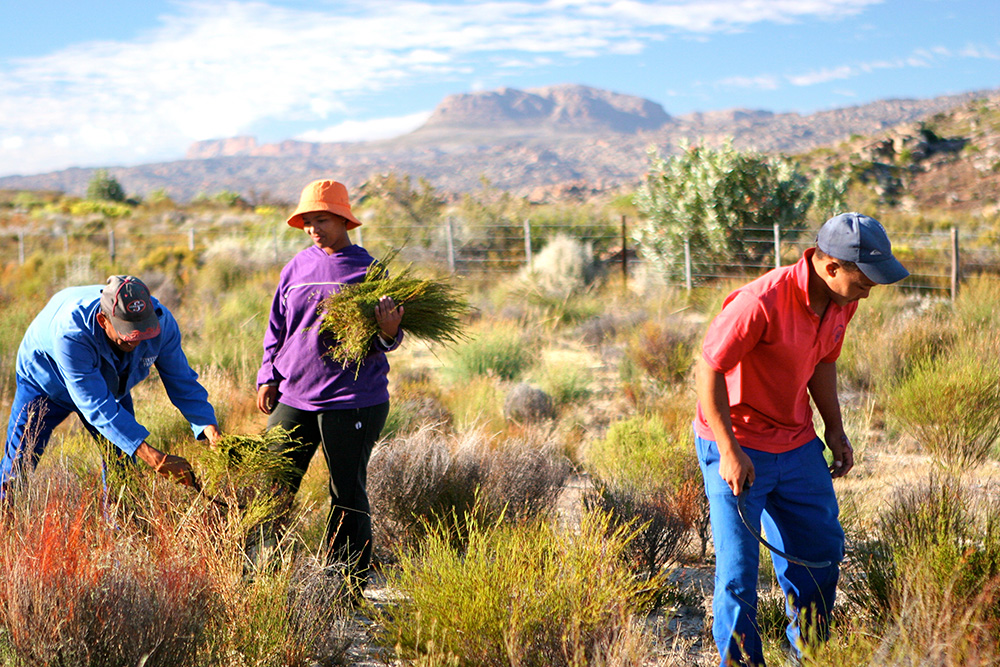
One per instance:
[(175, 468), (388, 316)]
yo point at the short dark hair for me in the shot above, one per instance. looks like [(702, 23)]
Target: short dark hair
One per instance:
[(847, 266)]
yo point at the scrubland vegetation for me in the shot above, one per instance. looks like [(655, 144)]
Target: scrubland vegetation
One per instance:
[(536, 498)]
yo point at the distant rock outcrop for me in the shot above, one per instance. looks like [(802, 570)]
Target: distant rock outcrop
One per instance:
[(558, 108), (544, 143)]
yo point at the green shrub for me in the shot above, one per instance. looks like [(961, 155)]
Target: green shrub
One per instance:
[(978, 303), (566, 383), (661, 524), (478, 402), (229, 335), (642, 452), (936, 540), (951, 403), (516, 595), (501, 352), (18, 315)]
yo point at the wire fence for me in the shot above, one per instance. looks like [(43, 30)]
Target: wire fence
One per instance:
[(936, 259)]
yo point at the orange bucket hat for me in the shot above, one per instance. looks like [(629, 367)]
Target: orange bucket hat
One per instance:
[(324, 195)]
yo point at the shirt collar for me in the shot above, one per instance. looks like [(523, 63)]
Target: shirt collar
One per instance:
[(801, 272)]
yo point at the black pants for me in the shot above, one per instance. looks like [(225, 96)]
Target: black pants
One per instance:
[(347, 438)]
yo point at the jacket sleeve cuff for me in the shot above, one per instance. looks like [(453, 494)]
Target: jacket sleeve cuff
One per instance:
[(385, 346)]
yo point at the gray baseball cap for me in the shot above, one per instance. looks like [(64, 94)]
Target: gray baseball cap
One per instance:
[(857, 238), (126, 302)]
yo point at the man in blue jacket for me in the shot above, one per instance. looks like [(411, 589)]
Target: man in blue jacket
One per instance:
[(83, 353)]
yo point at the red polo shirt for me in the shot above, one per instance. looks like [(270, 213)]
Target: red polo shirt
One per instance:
[(768, 341)]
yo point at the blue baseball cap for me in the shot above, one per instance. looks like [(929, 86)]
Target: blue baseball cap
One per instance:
[(857, 238)]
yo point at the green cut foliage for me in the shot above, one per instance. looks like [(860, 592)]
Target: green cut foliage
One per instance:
[(246, 474), (432, 310)]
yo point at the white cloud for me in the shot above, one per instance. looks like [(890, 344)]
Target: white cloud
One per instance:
[(716, 15), (215, 69), (822, 76), (979, 52), (367, 130), (762, 82)]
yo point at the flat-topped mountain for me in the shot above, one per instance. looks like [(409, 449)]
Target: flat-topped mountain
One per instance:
[(535, 143), (555, 108)]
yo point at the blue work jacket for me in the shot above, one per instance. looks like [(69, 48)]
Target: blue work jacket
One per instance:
[(68, 357)]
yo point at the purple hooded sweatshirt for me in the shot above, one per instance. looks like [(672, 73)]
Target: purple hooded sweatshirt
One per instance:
[(294, 350)]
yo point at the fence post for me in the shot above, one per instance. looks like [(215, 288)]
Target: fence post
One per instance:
[(451, 245), (527, 243), (955, 266), (687, 264), (624, 255), (777, 246), (111, 244), (191, 239), (20, 247)]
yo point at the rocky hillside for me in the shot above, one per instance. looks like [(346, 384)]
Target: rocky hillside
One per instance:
[(541, 143)]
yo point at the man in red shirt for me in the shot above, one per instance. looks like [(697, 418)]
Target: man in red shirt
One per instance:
[(774, 344)]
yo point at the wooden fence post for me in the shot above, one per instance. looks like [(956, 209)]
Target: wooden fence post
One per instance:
[(777, 246), (956, 275), (687, 264), (624, 255), (527, 244), (451, 244), (112, 250)]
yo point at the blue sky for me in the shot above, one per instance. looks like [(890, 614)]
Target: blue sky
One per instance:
[(125, 82)]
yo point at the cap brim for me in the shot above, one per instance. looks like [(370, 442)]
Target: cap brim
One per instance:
[(136, 331), (886, 272)]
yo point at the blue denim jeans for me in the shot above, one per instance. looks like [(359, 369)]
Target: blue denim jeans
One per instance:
[(793, 498), (33, 417)]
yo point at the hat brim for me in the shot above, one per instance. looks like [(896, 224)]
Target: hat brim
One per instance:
[(136, 331), (886, 272), (315, 207)]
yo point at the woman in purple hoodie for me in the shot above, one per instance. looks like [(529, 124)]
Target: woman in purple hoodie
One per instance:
[(342, 409)]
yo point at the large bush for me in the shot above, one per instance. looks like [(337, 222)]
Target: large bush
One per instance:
[(714, 200)]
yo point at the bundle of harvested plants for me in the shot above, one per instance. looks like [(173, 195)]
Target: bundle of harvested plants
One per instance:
[(432, 310)]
